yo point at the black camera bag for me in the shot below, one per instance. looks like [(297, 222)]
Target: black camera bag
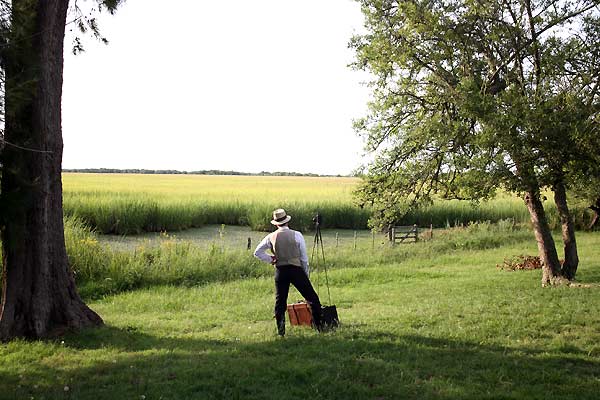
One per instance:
[(329, 317)]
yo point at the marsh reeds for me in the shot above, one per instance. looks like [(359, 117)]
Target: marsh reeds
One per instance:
[(127, 204)]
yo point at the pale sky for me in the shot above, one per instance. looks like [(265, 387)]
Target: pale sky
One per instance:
[(232, 85)]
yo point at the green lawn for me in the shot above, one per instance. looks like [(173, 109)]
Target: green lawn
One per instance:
[(419, 323)]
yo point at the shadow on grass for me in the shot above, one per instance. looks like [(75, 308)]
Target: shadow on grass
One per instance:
[(348, 364)]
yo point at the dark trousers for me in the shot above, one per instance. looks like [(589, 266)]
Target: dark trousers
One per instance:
[(286, 274)]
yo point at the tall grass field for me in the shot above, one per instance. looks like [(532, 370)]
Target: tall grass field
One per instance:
[(130, 204)]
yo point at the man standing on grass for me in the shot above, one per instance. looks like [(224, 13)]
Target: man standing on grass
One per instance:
[(291, 266)]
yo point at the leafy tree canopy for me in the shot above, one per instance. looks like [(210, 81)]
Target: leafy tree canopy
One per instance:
[(470, 96)]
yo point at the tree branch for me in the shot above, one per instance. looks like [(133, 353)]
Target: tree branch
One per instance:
[(546, 28)]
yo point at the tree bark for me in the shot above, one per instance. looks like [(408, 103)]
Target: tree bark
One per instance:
[(569, 267), (596, 209), (546, 247), (39, 297)]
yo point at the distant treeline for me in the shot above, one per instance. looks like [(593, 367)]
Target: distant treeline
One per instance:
[(200, 172)]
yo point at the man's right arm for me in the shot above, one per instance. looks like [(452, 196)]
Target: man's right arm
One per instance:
[(261, 250)]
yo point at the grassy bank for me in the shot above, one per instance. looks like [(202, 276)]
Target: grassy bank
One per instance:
[(126, 214), (435, 320), (102, 269), (448, 213)]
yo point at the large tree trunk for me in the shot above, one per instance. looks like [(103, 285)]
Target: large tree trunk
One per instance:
[(569, 267), (596, 209), (546, 247), (39, 297)]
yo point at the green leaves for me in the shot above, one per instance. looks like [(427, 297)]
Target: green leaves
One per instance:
[(85, 20), (473, 96)]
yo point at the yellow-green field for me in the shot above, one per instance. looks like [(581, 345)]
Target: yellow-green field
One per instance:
[(215, 188), (134, 203)]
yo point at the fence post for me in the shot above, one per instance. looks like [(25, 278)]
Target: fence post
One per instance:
[(416, 228), (249, 243), (372, 239), (354, 240), (430, 231), (393, 237), (337, 240)]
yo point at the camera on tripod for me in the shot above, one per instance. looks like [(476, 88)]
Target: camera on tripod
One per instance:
[(317, 219)]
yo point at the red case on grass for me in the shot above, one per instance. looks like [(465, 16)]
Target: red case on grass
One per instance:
[(299, 314)]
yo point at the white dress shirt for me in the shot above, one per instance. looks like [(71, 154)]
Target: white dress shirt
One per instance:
[(261, 250)]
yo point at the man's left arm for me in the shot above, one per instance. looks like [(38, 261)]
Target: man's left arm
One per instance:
[(303, 255)]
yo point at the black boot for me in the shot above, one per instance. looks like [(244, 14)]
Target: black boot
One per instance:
[(280, 324)]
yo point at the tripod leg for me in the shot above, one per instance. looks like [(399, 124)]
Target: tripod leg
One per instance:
[(323, 257), (314, 261), (321, 240)]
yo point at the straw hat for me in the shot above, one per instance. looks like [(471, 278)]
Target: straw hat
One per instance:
[(280, 217)]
